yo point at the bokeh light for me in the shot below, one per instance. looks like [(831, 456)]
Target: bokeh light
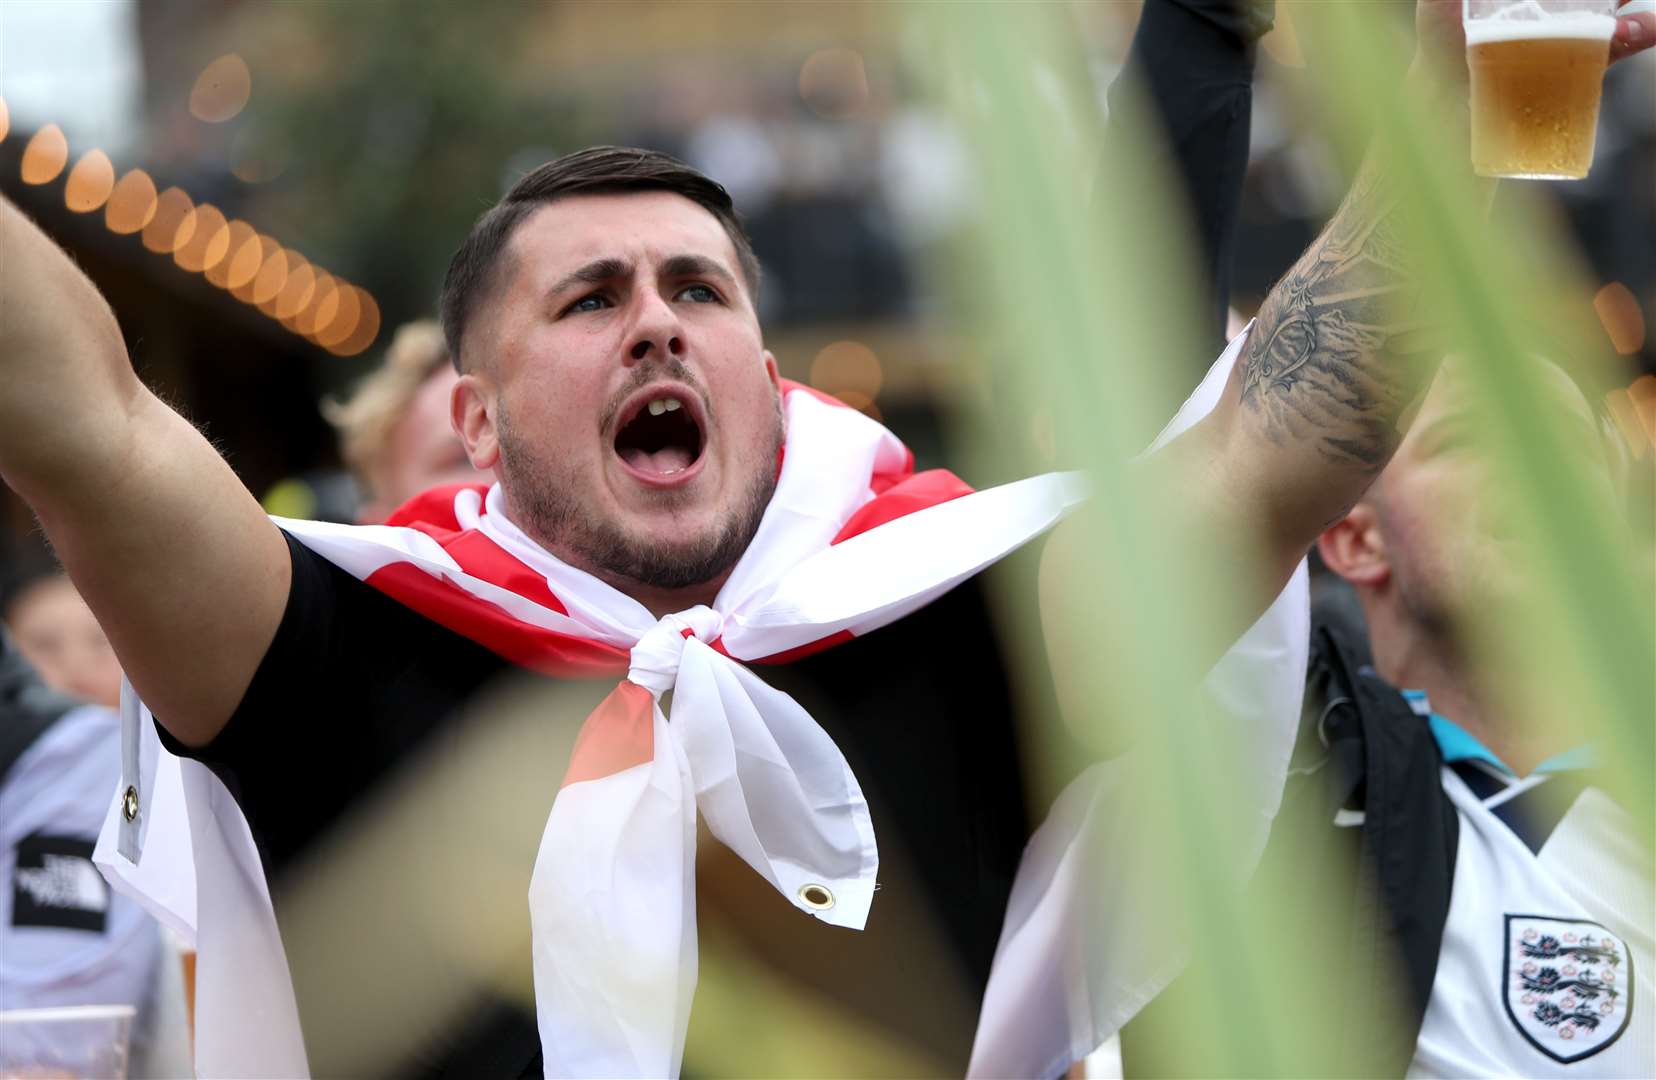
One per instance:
[(255, 252), (324, 304), (367, 327), (90, 182), (207, 243), (1618, 310), (221, 90), (256, 269), (172, 224), (296, 290), (132, 203), (342, 323), (834, 82), (45, 155), (224, 272), (847, 367), (253, 160), (267, 277), (861, 402)]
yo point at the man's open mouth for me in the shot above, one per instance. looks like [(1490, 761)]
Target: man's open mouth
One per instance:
[(662, 438)]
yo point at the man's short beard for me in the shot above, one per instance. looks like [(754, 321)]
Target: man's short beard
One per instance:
[(552, 515)]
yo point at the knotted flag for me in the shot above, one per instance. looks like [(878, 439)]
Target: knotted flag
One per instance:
[(853, 539)]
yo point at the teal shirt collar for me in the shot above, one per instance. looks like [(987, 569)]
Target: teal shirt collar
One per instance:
[(1455, 743)]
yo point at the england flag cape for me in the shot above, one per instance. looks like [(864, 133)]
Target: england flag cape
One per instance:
[(852, 540)]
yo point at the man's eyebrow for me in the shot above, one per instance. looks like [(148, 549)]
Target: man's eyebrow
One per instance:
[(593, 273), (680, 266)]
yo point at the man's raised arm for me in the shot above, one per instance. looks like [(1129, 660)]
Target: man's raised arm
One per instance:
[(1318, 399), (1317, 402), (185, 572), (1314, 405)]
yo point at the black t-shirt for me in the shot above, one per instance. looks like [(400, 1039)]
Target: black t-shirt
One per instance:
[(361, 708)]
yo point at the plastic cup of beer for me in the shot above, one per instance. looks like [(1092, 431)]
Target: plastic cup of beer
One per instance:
[(1537, 68), (73, 1042)]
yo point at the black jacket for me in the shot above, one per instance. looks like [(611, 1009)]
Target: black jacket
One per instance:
[(1353, 914)]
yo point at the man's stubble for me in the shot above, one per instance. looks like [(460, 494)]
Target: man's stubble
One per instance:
[(543, 500)]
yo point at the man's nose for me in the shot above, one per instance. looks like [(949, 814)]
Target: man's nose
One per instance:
[(656, 331)]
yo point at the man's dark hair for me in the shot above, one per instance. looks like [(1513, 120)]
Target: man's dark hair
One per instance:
[(599, 170)]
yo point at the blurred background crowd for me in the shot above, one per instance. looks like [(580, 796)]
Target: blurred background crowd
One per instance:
[(367, 137)]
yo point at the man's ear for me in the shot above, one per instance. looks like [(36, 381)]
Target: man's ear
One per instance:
[(776, 387), (472, 412), (1353, 548)]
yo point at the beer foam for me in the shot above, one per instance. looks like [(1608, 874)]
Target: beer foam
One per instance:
[(1527, 21)]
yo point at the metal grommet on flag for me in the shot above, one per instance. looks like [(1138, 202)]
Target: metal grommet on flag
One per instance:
[(134, 723), (816, 897)]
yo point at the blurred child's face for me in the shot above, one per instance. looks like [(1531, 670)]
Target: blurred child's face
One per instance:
[(55, 632)]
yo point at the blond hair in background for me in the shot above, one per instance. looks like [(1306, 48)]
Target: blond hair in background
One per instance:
[(366, 419), (394, 429)]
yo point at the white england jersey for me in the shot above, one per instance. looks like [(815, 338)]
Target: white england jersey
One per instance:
[(1546, 958)]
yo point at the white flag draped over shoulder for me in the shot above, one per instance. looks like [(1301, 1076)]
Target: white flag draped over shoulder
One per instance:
[(852, 540), (1083, 947)]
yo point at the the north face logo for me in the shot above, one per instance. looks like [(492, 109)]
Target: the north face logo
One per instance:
[(1569, 984), (55, 885)]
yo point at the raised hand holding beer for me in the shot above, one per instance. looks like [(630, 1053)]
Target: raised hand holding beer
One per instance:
[(1537, 67)]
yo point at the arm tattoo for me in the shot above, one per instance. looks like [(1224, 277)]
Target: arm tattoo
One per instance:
[(1323, 368)]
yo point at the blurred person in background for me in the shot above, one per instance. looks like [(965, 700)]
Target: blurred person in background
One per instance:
[(56, 632), (65, 939), (613, 377), (394, 430), (1501, 904)]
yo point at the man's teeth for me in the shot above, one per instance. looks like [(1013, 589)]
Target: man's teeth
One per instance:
[(664, 405)]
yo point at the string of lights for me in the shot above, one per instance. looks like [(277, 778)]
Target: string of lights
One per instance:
[(322, 307)]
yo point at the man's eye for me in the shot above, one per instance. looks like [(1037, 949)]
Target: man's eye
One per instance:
[(699, 294), (595, 302)]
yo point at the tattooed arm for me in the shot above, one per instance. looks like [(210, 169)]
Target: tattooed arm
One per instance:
[(1315, 403), (1309, 417), (1340, 352), (1315, 406), (1311, 414)]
